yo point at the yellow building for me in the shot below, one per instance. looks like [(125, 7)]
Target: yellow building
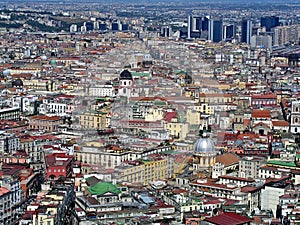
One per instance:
[(39, 84), (215, 98), (155, 114), (181, 161), (94, 120), (146, 171), (205, 108), (177, 128), (193, 116)]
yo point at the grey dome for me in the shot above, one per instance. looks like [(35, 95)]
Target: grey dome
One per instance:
[(6, 72), (125, 75), (44, 58), (204, 145)]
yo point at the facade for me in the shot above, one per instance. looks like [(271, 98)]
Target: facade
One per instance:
[(166, 31), (261, 41), (45, 216), (270, 195), (39, 85), (58, 165), (59, 109), (249, 167), (46, 123), (215, 30), (177, 129), (246, 31), (229, 32), (269, 22), (106, 90), (295, 117), (261, 122), (146, 171), (217, 190), (94, 119), (113, 156), (9, 143), (194, 26), (10, 113), (286, 34), (5, 206), (266, 100)]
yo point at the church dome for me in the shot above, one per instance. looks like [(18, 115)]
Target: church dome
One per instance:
[(6, 72), (44, 58), (17, 83), (204, 145), (125, 75)]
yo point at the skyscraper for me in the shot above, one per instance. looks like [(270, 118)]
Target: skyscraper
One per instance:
[(215, 30), (229, 32), (269, 22), (205, 23), (246, 31), (165, 31), (194, 26)]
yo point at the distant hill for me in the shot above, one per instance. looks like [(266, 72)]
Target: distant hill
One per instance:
[(249, 2)]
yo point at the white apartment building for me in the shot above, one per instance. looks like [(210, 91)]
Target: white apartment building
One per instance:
[(249, 167), (102, 91)]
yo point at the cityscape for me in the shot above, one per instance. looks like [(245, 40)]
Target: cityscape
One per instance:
[(149, 112)]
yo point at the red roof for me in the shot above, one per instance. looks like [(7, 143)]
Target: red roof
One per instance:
[(247, 189), (280, 123), (246, 122), (228, 218), (257, 113), (265, 96), (169, 116), (228, 159), (43, 117)]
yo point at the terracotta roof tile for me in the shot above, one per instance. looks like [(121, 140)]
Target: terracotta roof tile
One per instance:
[(228, 159), (257, 113), (280, 123)]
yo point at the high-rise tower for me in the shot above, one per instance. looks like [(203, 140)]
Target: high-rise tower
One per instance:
[(215, 30), (269, 22), (246, 31)]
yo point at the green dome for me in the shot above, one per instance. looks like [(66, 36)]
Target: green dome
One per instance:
[(104, 187)]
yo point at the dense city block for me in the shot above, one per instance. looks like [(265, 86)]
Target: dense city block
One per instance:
[(136, 113)]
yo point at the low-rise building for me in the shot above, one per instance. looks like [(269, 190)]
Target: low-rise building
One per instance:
[(249, 167), (45, 123), (58, 165)]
